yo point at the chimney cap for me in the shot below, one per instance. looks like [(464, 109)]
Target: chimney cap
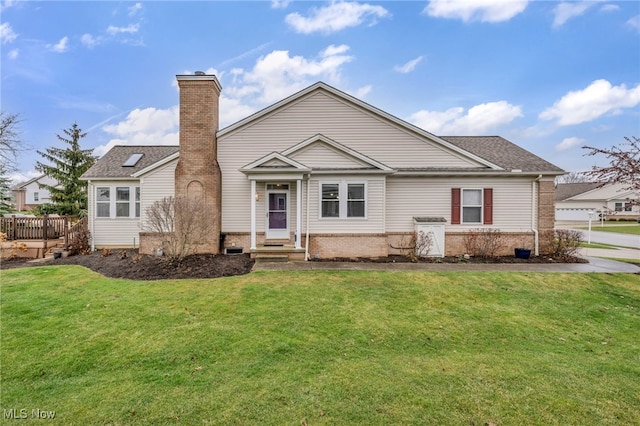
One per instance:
[(200, 73)]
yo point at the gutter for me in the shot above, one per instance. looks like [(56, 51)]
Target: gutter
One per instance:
[(534, 214), (91, 219)]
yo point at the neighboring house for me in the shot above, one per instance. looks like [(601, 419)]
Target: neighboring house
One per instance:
[(29, 194), (324, 174), (574, 201)]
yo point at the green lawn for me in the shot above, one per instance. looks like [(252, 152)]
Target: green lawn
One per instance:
[(370, 348), (619, 227)]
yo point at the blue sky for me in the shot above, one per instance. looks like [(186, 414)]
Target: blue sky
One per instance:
[(549, 76)]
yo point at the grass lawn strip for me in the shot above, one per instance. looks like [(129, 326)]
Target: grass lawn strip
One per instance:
[(325, 347), (632, 229)]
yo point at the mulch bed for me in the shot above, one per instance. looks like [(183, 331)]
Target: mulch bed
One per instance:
[(126, 264)]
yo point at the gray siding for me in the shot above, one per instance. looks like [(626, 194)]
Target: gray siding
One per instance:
[(156, 185)]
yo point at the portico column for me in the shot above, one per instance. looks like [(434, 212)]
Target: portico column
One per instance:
[(253, 214), (299, 214)]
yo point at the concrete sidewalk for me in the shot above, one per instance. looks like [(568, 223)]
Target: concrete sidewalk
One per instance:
[(595, 265)]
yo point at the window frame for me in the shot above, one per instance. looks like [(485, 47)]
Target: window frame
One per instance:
[(343, 200), (133, 201), (36, 196), (474, 206)]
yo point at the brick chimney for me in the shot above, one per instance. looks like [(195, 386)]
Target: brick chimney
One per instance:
[(198, 173)]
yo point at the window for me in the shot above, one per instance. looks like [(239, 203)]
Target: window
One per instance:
[(623, 207), (330, 200), (137, 201), (122, 201), (36, 196), (125, 203), (471, 206), (103, 201), (343, 200), (355, 200)]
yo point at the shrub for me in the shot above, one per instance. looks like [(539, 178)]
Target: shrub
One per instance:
[(561, 244), (483, 242), (79, 243)]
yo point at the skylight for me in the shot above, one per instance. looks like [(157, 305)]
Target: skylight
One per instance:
[(133, 160)]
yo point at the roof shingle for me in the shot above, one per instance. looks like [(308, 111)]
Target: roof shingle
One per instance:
[(110, 165)]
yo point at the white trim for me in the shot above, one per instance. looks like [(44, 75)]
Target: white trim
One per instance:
[(277, 156), (253, 215), (298, 236), (113, 202), (481, 205), (337, 147), (343, 199), (199, 77), (277, 233)]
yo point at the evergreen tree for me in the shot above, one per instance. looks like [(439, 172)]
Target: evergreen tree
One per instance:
[(66, 165), (10, 145), (5, 192)]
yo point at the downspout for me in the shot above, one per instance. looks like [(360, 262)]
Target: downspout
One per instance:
[(91, 217), (534, 214), (306, 240)]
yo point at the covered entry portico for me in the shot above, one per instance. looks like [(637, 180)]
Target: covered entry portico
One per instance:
[(275, 181)]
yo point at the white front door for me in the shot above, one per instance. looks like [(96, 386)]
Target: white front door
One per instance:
[(277, 216)]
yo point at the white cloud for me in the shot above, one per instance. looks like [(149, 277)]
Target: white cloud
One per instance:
[(609, 8), (280, 4), (409, 66), (133, 10), (130, 29), (634, 22), (89, 41), (569, 143), (273, 77), (149, 126), (7, 35), (478, 119), (60, 47), (278, 75), (335, 17), (567, 10), (6, 4), (13, 54), (363, 91), (476, 10), (20, 177), (598, 99)]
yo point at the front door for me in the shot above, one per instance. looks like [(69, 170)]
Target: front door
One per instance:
[(277, 212)]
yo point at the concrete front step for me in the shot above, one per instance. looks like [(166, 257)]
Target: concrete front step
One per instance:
[(272, 258)]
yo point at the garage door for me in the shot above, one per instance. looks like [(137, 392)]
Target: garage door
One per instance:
[(573, 214)]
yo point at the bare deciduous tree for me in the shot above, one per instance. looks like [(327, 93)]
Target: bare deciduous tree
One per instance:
[(573, 177), (181, 222), (624, 165)]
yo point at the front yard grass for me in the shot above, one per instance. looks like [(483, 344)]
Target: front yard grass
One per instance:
[(618, 227), (322, 347)]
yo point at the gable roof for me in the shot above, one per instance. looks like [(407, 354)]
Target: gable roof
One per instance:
[(504, 153), (21, 186), (494, 152), (568, 190), (110, 165), (266, 164), (338, 148)]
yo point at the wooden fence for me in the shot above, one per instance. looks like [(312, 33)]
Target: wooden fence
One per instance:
[(38, 228)]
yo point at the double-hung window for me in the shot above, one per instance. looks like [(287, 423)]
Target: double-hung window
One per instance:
[(343, 200), (471, 206), (36, 196), (118, 201), (103, 201)]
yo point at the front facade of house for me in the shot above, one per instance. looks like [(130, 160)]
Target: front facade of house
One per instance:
[(327, 175), (29, 194), (613, 201)]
